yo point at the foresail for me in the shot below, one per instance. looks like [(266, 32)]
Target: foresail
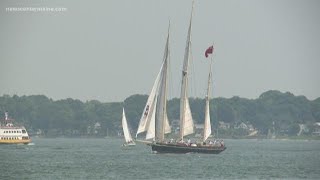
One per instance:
[(151, 127), (151, 124), (125, 128), (146, 116)]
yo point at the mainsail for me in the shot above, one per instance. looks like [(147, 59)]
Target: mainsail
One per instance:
[(125, 128), (186, 122)]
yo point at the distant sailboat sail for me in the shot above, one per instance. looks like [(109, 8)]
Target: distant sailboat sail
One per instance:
[(126, 132)]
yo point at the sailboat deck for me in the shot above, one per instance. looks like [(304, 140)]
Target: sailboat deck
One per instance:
[(183, 148)]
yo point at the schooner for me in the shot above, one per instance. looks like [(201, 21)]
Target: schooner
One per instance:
[(154, 119)]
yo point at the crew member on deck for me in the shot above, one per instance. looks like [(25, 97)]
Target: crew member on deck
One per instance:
[(189, 141)]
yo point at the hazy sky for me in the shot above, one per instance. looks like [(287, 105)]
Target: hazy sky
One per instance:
[(110, 49)]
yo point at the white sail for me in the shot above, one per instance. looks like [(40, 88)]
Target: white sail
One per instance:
[(125, 128), (151, 125), (167, 128), (148, 119), (161, 108), (207, 124), (149, 108), (186, 122)]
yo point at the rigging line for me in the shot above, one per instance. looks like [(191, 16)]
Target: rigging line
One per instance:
[(210, 94), (169, 69), (192, 76), (170, 76), (216, 101)]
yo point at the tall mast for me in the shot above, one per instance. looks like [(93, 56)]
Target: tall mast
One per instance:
[(185, 113), (161, 110)]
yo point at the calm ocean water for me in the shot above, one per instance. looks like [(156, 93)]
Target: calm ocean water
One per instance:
[(105, 159)]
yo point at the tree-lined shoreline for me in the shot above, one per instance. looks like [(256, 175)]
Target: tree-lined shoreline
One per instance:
[(283, 114)]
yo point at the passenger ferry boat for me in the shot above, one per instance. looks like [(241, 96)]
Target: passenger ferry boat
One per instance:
[(10, 134)]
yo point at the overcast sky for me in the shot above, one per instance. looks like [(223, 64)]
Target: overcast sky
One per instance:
[(110, 49)]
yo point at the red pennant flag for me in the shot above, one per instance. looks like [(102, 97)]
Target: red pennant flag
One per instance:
[(209, 51)]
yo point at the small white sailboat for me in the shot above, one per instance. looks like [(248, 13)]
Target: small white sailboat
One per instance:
[(127, 136)]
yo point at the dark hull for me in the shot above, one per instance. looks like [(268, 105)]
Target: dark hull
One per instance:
[(182, 149)]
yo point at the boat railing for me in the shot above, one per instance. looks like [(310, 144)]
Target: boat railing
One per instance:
[(12, 127)]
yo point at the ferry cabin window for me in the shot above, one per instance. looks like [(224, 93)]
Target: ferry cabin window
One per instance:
[(23, 131)]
